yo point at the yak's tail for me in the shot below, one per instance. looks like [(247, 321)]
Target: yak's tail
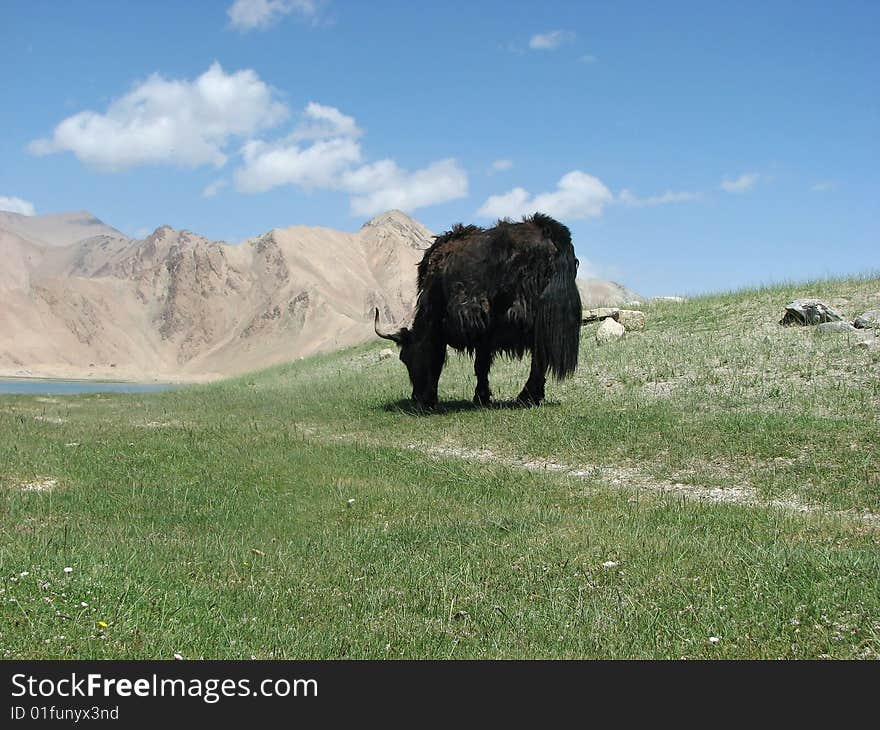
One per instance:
[(558, 316)]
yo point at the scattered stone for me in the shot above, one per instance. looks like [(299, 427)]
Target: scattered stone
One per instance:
[(599, 313), (632, 319), (386, 353), (807, 312), (872, 343), (832, 327), (868, 320), (609, 330)]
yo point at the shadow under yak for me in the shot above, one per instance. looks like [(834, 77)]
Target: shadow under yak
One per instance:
[(411, 408)]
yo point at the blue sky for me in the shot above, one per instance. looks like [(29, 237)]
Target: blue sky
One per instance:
[(689, 146)]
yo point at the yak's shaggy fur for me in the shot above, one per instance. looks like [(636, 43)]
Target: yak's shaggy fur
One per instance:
[(508, 289)]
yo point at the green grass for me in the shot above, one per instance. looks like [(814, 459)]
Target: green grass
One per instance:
[(217, 521)]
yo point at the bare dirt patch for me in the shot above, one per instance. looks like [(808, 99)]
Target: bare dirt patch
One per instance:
[(37, 485)]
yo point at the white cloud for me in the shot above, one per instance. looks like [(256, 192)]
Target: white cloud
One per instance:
[(577, 195), (506, 205), (323, 152), (383, 185), (314, 155), (168, 121), (824, 186), (318, 165), (627, 197), (741, 184), (500, 166), (550, 40), (325, 122), (213, 188), (16, 205), (248, 15)]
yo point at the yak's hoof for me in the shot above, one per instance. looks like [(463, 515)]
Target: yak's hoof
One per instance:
[(527, 399), (482, 399)]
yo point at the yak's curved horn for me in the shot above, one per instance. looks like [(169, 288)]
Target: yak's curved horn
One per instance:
[(393, 336)]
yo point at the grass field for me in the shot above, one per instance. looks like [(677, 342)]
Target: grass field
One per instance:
[(707, 488)]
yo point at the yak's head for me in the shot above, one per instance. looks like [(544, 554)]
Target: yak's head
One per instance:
[(415, 354)]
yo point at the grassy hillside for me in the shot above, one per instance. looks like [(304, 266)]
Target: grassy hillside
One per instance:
[(706, 488)]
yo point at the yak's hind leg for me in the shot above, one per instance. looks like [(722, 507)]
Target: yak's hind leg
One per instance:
[(482, 363), (533, 391)]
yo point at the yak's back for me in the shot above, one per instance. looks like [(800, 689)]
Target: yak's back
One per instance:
[(503, 254)]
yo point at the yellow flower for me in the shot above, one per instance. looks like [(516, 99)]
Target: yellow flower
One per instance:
[(103, 624)]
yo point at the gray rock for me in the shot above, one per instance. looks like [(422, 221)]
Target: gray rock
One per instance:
[(809, 312), (832, 327), (632, 319), (609, 330), (868, 320), (598, 313)]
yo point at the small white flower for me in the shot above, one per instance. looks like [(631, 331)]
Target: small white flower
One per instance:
[(83, 604), (177, 656), (714, 639), (68, 570), (610, 564), (350, 502), (24, 573)]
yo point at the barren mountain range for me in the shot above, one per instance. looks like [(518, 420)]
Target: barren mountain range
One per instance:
[(80, 299)]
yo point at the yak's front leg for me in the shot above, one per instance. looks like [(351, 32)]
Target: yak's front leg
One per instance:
[(482, 363), (533, 391), (425, 387)]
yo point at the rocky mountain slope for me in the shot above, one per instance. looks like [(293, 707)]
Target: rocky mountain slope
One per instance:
[(176, 305), (80, 299)]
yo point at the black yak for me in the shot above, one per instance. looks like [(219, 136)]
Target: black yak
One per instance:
[(508, 289)]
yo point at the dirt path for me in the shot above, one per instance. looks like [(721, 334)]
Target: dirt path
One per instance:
[(624, 478)]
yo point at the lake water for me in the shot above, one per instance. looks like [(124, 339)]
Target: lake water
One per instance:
[(20, 386)]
